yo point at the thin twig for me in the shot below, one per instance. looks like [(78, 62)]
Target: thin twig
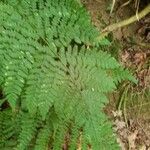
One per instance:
[(112, 7), (126, 3)]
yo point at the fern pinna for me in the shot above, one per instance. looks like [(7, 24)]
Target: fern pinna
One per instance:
[(54, 77)]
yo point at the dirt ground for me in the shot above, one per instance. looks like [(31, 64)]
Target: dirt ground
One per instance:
[(130, 108)]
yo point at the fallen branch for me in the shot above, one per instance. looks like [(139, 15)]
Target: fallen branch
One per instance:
[(125, 22)]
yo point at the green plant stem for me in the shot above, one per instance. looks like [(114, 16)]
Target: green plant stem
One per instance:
[(125, 22)]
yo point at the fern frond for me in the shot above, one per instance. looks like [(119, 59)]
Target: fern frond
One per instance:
[(120, 74), (28, 129), (50, 63), (95, 121), (59, 136), (75, 137), (43, 138), (9, 129)]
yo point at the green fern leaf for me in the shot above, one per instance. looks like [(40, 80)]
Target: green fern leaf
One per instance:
[(43, 138), (52, 65), (28, 128)]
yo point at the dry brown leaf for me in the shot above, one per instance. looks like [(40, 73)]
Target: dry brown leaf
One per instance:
[(125, 56), (117, 113), (120, 124), (139, 58), (131, 140), (124, 133)]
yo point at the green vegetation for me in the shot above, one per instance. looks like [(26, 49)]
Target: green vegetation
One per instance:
[(54, 77)]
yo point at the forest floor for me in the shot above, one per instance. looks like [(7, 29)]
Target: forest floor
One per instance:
[(128, 108)]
